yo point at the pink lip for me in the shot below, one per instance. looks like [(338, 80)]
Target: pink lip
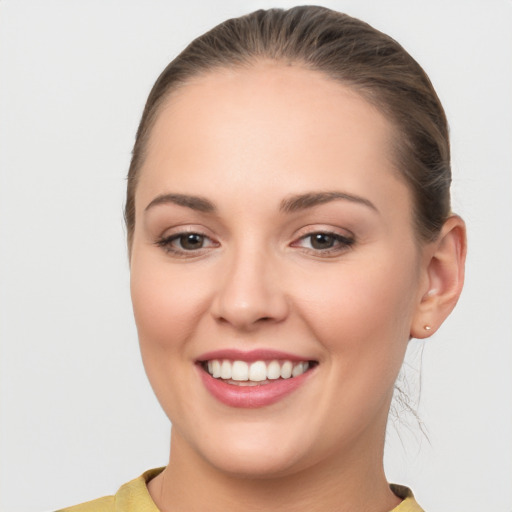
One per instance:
[(250, 356), (251, 397)]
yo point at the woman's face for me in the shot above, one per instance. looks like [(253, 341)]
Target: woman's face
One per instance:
[(273, 235)]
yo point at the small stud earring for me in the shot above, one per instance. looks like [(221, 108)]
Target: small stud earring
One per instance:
[(427, 328)]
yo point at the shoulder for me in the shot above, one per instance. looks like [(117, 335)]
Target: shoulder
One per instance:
[(131, 497), (105, 504)]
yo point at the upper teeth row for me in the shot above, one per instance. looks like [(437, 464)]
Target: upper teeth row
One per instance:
[(257, 371)]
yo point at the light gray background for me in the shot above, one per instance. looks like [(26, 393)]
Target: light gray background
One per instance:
[(77, 416)]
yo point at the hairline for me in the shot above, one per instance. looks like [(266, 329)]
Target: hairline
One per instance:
[(371, 95)]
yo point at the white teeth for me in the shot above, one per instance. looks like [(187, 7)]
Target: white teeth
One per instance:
[(240, 370), (299, 369), (215, 368), (286, 370), (257, 371), (225, 370), (274, 370)]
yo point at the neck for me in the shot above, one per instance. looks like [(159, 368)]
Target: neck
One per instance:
[(355, 481)]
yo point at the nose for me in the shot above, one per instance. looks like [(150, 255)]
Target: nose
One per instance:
[(250, 292)]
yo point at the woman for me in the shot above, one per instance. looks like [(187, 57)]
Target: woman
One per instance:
[(289, 231)]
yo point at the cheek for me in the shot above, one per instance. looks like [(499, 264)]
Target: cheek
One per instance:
[(361, 316), (167, 304), (167, 307), (363, 310)]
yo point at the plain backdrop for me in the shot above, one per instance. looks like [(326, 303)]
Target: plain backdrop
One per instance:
[(77, 416)]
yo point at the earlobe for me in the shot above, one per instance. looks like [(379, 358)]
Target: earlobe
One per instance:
[(444, 277)]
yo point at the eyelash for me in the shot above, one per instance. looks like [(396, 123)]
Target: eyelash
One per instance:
[(166, 244), (340, 244)]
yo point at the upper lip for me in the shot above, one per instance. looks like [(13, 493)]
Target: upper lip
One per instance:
[(250, 355)]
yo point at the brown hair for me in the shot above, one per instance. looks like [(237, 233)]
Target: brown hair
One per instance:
[(344, 49)]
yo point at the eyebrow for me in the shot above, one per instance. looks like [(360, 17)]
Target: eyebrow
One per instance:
[(292, 204), (311, 199), (197, 203)]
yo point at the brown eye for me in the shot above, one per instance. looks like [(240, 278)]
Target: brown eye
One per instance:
[(324, 243), (186, 244), (191, 241), (321, 241)]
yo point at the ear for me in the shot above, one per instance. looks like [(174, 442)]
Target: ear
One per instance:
[(443, 269)]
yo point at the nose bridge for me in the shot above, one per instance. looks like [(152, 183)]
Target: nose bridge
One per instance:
[(250, 291)]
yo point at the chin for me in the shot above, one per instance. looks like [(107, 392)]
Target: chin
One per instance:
[(257, 464), (260, 453)]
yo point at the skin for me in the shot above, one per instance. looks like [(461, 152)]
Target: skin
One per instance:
[(247, 140)]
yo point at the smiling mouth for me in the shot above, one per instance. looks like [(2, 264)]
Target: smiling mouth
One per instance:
[(257, 373)]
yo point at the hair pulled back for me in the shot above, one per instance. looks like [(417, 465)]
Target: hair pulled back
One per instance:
[(346, 50)]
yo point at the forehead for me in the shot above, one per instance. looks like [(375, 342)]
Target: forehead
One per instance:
[(272, 96), (290, 124)]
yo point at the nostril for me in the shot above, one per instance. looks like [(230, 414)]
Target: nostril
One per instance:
[(244, 305)]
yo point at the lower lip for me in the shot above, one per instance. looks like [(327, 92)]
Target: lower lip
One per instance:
[(252, 397)]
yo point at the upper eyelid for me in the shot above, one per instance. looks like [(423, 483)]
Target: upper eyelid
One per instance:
[(319, 228), (185, 229), (326, 232)]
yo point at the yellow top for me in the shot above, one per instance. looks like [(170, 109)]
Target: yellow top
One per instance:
[(134, 497)]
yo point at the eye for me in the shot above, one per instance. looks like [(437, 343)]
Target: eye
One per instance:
[(324, 243), (190, 241), (183, 243)]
